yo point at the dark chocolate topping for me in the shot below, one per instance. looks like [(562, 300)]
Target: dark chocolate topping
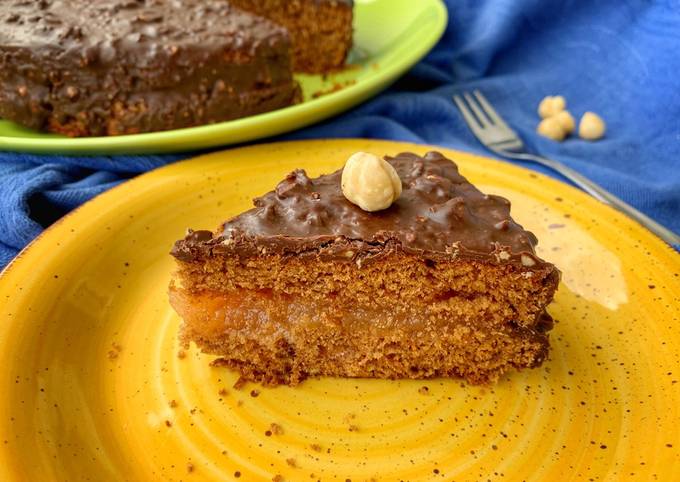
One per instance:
[(104, 30), (438, 214)]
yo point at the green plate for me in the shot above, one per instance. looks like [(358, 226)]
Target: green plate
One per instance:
[(390, 37)]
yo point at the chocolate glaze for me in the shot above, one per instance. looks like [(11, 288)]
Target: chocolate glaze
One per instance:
[(439, 215), (119, 66)]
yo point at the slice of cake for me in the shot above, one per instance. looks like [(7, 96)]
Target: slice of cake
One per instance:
[(403, 270), (109, 67), (321, 30)]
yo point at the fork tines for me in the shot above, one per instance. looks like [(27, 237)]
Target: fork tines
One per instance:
[(485, 122)]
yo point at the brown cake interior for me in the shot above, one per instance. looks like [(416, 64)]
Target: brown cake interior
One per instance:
[(280, 321), (321, 30)]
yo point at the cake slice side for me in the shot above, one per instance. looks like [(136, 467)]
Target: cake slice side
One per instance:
[(321, 30), (336, 295)]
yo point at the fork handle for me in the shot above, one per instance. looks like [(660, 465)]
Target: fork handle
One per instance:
[(601, 194)]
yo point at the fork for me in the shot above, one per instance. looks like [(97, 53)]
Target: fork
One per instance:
[(492, 131)]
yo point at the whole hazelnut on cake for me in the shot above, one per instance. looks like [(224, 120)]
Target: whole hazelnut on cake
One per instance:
[(370, 182)]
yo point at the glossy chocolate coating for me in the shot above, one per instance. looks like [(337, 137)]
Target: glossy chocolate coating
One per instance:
[(123, 66), (439, 215)]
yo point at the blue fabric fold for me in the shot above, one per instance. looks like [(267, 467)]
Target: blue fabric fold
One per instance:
[(616, 58)]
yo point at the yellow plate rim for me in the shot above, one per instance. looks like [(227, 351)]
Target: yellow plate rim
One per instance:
[(117, 191)]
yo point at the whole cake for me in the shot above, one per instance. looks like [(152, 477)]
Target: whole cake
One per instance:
[(315, 280), (320, 30), (109, 67)]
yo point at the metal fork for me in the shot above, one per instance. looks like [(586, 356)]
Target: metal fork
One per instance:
[(496, 136)]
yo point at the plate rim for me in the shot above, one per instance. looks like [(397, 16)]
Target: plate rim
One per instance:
[(313, 110), (168, 168)]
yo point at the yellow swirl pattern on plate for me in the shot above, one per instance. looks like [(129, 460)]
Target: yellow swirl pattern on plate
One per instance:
[(95, 387)]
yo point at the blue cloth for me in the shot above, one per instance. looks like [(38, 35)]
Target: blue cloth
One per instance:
[(617, 58)]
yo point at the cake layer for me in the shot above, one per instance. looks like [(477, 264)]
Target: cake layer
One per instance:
[(321, 30), (276, 339), (464, 290), (121, 66)]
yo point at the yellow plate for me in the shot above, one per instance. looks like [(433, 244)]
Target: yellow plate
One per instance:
[(93, 388)]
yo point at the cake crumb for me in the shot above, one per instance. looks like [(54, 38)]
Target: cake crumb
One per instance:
[(168, 423), (190, 467), (114, 351), (316, 447), (424, 390), (291, 462), (278, 478), (349, 417), (239, 383), (336, 87), (276, 429), (353, 428), (172, 403), (181, 354), (223, 392), (254, 393)]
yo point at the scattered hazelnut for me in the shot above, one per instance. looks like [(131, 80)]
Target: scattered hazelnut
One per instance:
[(591, 127), (370, 182), (566, 120), (552, 129), (551, 105)]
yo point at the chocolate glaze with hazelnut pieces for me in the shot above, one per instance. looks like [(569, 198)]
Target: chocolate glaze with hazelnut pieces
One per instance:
[(96, 67), (439, 215)]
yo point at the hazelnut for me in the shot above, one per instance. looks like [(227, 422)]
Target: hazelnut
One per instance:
[(71, 92), (566, 120), (551, 105), (370, 182), (552, 129), (591, 127), (527, 261)]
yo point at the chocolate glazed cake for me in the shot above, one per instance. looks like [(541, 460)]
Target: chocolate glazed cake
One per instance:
[(109, 67), (443, 283), (321, 30)]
